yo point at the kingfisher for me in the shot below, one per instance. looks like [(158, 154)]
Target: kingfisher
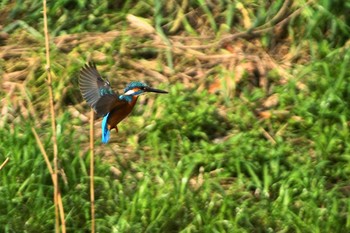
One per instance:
[(112, 106)]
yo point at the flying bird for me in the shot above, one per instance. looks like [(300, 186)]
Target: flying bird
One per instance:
[(112, 106)]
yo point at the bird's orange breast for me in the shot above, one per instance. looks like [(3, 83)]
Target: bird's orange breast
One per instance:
[(119, 113)]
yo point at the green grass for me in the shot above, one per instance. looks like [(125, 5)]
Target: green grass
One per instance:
[(195, 160)]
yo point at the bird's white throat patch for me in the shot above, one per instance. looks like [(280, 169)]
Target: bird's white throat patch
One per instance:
[(129, 92)]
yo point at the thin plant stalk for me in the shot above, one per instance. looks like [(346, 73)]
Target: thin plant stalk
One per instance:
[(49, 167), (92, 188), (53, 125), (4, 163)]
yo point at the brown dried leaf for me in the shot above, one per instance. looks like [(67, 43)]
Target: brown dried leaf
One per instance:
[(271, 101), (140, 24)]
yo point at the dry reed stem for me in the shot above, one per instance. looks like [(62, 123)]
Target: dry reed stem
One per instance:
[(53, 126), (61, 210), (49, 167), (268, 136), (41, 147), (4, 163), (92, 188)]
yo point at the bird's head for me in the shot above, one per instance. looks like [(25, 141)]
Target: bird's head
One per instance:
[(139, 88), (134, 89)]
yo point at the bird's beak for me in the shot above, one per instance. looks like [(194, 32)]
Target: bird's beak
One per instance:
[(150, 89)]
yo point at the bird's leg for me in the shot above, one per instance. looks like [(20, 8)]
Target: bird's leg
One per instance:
[(113, 127)]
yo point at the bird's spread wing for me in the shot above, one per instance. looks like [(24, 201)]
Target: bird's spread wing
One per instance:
[(97, 91), (106, 103)]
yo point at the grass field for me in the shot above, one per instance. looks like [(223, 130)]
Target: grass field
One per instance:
[(252, 137)]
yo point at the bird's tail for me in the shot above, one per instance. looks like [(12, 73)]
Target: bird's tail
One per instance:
[(105, 130)]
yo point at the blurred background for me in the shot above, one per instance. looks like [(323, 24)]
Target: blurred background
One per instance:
[(252, 137)]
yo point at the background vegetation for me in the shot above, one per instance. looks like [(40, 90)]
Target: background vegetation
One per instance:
[(253, 136)]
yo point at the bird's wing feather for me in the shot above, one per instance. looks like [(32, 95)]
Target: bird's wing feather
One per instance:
[(96, 90), (106, 103)]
